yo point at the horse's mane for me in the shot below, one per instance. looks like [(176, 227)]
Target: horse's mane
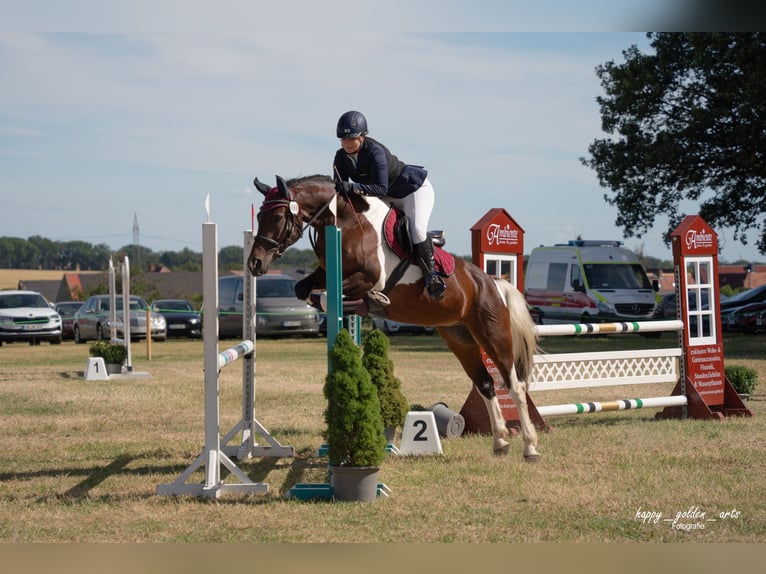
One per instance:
[(358, 202), (309, 179)]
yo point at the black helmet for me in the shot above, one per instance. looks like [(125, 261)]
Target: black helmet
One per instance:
[(351, 124)]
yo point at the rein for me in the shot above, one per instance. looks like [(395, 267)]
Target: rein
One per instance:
[(290, 225), (293, 210)]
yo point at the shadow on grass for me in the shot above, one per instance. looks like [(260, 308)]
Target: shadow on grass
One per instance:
[(93, 476)]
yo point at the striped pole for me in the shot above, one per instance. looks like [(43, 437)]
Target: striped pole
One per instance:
[(580, 408), (230, 355), (595, 328)]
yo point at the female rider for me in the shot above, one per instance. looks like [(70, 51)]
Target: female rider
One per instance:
[(375, 171)]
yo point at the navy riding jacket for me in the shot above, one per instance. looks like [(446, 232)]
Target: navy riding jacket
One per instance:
[(378, 172)]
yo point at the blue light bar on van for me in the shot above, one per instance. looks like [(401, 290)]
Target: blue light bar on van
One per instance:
[(593, 243)]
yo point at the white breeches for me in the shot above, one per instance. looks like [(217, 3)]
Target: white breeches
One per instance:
[(417, 207)]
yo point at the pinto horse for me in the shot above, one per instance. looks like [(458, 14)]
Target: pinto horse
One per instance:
[(475, 312)]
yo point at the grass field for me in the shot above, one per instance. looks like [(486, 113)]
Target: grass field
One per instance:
[(80, 460)]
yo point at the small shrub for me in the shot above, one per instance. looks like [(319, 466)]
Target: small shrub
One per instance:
[(112, 353), (743, 379), (354, 432), (393, 405)]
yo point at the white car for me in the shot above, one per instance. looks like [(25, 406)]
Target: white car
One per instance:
[(390, 327), (27, 316)]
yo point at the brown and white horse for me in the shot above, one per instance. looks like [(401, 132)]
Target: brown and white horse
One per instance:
[(476, 311)]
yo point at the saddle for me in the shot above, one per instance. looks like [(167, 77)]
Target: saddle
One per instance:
[(396, 232)]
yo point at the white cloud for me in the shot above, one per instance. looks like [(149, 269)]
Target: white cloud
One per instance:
[(163, 119)]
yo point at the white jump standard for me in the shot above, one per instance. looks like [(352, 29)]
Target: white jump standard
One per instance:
[(216, 451)]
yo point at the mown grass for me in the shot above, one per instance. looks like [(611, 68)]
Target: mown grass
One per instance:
[(80, 460)]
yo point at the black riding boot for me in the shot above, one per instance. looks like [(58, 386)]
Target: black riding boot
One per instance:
[(424, 255)]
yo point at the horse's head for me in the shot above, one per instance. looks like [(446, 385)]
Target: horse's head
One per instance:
[(288, 209), (279, 226)]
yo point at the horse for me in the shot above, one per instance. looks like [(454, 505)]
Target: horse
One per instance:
[(475, 312)]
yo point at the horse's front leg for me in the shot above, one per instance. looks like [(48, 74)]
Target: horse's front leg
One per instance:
[(315, 280), (357, 285)]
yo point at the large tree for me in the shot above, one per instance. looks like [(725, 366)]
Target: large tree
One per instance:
[(688, 123)]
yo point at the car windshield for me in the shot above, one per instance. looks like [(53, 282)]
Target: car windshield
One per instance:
[(616, 276), (136, 304), (746, 295), (173, 306), (16, 300), (68, 308), (275, 288)]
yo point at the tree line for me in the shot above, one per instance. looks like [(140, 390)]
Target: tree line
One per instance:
[(40, 253)]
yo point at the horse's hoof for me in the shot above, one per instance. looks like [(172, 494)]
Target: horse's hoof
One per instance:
[(502, 450), (531, 458)]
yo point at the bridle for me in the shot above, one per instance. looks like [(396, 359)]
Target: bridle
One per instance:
[(292, 231)]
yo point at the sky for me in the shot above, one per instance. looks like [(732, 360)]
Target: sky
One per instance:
[(115, 111)]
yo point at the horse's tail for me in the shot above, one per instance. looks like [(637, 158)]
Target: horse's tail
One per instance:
[(523, 332)]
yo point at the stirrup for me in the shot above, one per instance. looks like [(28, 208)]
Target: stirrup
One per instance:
[(435, 285)]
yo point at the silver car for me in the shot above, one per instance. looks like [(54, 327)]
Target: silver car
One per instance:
[(278, 312), (91, 322)]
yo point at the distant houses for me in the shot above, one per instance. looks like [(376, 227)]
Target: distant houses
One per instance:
[(165, 284), (151, 285)]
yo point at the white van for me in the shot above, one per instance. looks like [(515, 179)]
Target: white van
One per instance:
[(587, 282)]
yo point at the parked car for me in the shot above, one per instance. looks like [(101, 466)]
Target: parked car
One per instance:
[(760, 322), (666, 308), (743, 319), (67, 309), (278, 312), (390, 327), (182, 319), (27, 316), (754, 295), (91, 321)]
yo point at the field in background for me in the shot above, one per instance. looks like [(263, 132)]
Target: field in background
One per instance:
[(9, 278), (80, 460)]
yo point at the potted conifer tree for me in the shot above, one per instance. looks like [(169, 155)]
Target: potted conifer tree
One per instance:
[(114, 355), (356, 445), (393, 404)]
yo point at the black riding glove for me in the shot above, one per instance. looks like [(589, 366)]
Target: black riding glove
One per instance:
[(344, 188)]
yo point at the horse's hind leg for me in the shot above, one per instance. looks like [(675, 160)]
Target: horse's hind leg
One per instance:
[(500, 443), (518, 391), (499, 349), (463, 346)]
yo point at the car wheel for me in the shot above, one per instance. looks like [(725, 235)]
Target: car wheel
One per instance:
[(77, 338), (56, 341)]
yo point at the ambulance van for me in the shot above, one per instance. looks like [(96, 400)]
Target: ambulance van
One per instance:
[(587, 282)]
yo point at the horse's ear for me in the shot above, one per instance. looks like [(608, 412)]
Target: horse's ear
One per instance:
[(283, 189), (260, 186)]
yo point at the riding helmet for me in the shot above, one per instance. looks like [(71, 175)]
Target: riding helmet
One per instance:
[(351, 125)]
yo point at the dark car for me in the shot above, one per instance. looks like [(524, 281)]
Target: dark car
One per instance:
[(666, 308), (754, 295), (27, 316), (182, 318), (760, 322), (278, 312), (744, 319), (67, 309)]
